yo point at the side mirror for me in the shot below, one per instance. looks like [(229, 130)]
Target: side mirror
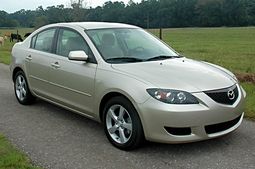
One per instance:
[(78, 55)]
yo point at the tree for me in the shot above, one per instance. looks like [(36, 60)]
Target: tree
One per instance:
[(79, 11), (210, 13), (146, 14), (250, 6), (95, 14), (56, 14), (113, 12), (234, 13), (40, 21)]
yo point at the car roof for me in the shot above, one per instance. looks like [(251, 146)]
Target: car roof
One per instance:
[(97, 25)]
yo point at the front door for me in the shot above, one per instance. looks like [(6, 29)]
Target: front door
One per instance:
[(72, 82)]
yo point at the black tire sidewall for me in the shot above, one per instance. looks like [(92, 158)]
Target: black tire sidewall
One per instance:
[(137, 131)]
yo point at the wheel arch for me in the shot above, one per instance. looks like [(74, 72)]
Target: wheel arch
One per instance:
[(110, 95), (15, 70), (104, 100)]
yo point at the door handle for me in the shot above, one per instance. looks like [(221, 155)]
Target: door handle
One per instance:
[(55, 65), (29, 58)]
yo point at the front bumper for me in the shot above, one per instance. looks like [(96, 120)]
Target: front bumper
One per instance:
[(157, 117)]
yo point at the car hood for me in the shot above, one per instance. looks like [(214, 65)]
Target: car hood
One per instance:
[(179, 74)]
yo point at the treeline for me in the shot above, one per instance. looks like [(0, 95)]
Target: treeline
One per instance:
[(146, 14)]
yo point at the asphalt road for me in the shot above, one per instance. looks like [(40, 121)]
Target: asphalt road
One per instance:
[(56, 138)]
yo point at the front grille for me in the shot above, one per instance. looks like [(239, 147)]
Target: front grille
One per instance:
[(178, 131), (224, 96), (215, 128)]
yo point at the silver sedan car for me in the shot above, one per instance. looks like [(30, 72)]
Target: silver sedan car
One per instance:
[(126, 78)]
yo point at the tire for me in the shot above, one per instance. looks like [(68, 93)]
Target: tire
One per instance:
[(21, 89), (122, 124)]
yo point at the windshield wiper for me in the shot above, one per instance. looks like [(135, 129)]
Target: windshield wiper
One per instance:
[(124, 59), (161, 57)]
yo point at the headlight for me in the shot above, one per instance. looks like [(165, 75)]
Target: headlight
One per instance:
[(173, 96)]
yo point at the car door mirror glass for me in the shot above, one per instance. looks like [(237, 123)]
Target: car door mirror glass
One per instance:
[(78, 55)]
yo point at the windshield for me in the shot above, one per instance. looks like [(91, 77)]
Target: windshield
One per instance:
[(129, 45)]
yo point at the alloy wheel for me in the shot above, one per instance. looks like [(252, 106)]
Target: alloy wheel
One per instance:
[(21, 88), (119, 124)]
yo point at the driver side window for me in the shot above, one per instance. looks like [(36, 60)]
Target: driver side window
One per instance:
[(69, 40)]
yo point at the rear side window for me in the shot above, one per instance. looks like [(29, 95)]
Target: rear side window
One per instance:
[(44, 40)]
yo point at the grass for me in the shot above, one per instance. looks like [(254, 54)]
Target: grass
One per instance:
[(5, 50), (10, 158), (232, 48), (250, 101)]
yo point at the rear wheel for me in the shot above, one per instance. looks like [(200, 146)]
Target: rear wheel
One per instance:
[(122, 124), (21, 89)]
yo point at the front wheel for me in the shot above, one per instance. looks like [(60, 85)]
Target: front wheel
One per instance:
[(122, 124), (21, 89)]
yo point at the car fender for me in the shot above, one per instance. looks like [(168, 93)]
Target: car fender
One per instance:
[(111, 81)]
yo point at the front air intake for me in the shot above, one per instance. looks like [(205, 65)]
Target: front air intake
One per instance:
[(215, 128), (178, 131)]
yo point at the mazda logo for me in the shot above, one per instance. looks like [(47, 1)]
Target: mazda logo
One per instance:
[(231, 94)]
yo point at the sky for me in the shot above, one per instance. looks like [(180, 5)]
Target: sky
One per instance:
[(11, 6)]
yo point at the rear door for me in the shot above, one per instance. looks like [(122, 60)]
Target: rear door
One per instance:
[(37, 61), (72, 82)]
